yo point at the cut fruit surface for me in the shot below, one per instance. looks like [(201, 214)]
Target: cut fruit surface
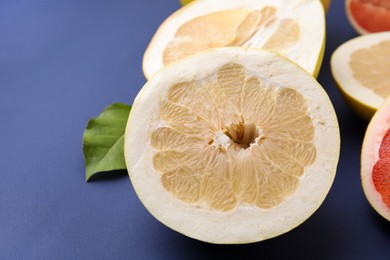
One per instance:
[(375, 161), (369, 16), (294, 28), (232, 145), (361, 69), (325, 3)]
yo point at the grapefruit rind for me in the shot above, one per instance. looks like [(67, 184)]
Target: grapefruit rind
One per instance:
[(308, 52), (376, 130), (360, 98), (245, 224)]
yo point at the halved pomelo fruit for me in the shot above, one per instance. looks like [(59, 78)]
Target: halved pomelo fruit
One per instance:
[(368, 16), (361, 69), (232, 145), (294, 28), (375, 161), (325, 3)]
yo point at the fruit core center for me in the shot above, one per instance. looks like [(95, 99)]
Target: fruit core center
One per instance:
[(242, 135)]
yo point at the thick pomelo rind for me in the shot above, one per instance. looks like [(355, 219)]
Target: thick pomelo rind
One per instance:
[(376, 130), (246, 224), (364, 111), (361, 99), (310, 15)]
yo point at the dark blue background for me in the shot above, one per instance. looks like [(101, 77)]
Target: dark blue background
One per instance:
[(62, 62)]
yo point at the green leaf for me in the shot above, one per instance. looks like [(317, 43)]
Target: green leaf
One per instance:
[(103, 140)]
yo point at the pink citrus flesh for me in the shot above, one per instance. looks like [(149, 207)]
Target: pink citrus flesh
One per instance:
[(368, 16), (381, 171), (375, 161)]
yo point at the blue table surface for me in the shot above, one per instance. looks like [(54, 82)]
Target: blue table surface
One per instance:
[(61, 63)]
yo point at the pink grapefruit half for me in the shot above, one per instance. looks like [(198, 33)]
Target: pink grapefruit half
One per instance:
[(368, 16), (375, 161)]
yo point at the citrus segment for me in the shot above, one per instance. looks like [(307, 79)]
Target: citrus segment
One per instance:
[(361, 69), (226, 149), (371, 67), (294, 28), (285, 36), (368, 16), (217, 29), (375, 161), (264, 17)]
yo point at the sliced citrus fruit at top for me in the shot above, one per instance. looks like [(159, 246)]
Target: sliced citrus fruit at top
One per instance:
[(293, 28), (368, 16), (232, 145), (375, 161), (325, 3), (361, 69)]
